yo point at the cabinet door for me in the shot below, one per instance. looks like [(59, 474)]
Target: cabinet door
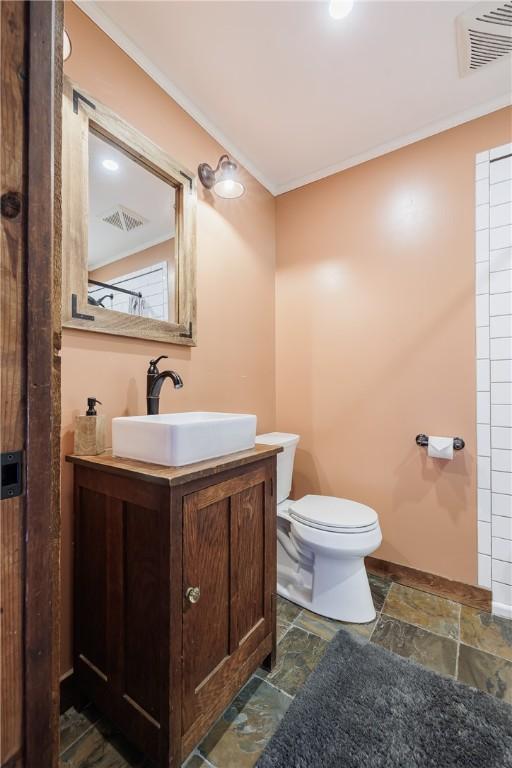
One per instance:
[(229, 554)]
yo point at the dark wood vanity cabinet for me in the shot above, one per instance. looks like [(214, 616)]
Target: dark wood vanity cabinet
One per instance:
[(175, 577)]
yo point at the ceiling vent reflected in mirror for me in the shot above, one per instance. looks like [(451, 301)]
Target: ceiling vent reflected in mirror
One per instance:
[(123, 218), (484, 34)]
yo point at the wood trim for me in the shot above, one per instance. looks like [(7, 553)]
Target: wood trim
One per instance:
[(80, 116), (42, 618), (159, 474), (467, 594), (13, 50), (271, 574), (223, 490)]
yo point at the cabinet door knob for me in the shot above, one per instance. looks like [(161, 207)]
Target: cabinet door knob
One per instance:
[(193, 594)]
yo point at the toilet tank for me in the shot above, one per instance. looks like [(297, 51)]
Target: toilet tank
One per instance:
[(284, 459)]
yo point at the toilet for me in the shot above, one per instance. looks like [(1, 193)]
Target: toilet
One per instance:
[(321, 545)]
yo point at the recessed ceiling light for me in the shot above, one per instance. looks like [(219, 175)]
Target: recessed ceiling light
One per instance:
[(340, 8), (110, 165)]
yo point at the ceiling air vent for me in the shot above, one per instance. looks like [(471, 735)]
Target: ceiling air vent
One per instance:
[(484, 34), (123, 218)]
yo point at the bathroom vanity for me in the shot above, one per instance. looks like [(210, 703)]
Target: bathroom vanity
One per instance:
[(175, 579)]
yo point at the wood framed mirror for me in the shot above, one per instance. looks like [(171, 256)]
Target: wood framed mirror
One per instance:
[(129, 219)]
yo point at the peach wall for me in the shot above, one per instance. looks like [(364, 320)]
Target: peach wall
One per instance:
[(376, 340), (144, 258), (232, 368)]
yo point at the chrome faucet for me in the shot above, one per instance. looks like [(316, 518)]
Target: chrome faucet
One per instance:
[(155, 379)]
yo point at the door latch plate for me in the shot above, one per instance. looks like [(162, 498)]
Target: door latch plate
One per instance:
[(12, 474)]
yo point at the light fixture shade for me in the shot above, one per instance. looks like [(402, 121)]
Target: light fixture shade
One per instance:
[(223, 180), (66, 46), (229, 188)]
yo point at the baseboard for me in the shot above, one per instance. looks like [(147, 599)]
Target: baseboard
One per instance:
[(67, 692), (467, 594)]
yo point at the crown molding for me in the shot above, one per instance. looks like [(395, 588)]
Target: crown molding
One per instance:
[(402, 141), (105, 23)]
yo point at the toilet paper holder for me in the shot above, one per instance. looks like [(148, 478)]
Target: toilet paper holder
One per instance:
[(458, 442)]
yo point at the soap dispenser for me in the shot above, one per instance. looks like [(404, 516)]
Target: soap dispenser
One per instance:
[(90, 431)]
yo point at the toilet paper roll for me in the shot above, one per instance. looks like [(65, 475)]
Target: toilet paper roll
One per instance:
[(440, 447)]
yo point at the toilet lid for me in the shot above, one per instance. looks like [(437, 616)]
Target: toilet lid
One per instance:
[(329, 513)]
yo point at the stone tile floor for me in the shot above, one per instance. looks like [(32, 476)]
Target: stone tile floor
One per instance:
[(451, 639)]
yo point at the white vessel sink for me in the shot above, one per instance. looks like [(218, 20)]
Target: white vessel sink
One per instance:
[(175, 439)]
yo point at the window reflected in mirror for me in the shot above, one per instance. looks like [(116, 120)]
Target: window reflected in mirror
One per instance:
[(131, 235)]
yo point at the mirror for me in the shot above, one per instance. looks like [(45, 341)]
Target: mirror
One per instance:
[(132, 212), (128, 214)]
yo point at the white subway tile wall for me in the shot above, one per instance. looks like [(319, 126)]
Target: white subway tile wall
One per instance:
[(500, 282), (501, 571), (502, 527), (501, 504), (485, 571), (482, 277), (500, 304), (499, 193), (502, 482), (482, 343), (484, 537), (493, 286), (501, 393), (151, 282), (501, 460), (499, 237), (500, 259), (482, 309), (501, 326), (484, 505), (483, 407), (501, 415), (501, 349), (482, 241), (483, 375), (484, 472), (502, 548), (482, 170), (483, 434), (501, 437)]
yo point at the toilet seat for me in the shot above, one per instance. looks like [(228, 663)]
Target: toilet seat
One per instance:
[(330, 513)]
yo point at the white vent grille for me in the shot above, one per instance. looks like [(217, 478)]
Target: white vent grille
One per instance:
[(124, 219), (484, 34)]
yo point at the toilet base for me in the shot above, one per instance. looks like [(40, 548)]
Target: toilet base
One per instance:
[(346, 598), (324, 574)]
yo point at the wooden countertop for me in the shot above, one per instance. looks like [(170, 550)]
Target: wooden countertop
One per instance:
[(156, 473)]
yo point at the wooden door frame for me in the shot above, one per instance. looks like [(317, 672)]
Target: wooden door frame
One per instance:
[(42, 525), (33, 37)]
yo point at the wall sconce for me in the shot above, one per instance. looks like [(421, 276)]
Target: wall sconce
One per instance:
[(66, 46), (222, 179)]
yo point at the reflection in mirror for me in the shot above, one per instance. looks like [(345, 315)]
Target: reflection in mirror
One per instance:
[(131, 263)]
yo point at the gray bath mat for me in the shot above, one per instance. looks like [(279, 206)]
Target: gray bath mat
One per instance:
[(365, 707)]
